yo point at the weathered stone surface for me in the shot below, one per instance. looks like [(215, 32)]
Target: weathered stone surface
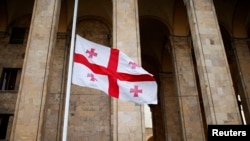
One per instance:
[(8, 102), (33, 87), (187, 91), (127, 124), (242, 54), (212, 65)]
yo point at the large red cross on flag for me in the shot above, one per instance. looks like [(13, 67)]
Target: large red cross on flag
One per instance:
[(111, 71)]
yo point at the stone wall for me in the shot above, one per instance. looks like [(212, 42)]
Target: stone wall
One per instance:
[(12, 56), (8, 102), (90, 110)]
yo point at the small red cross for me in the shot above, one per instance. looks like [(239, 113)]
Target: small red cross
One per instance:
[(133, 64), (135, 90), (92, 77), (91, 53)]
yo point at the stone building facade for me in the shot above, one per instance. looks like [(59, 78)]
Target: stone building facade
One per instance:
[(198, 51)]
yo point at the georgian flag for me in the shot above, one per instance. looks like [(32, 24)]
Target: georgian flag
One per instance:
[(111, 71)]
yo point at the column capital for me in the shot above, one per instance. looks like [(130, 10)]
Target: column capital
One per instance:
[(182, 37), (180, 42), (240, 39), (62, 35), (243, 42), (185, 2)]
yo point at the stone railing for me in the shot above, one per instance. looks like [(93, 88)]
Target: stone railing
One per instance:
[(8, 101)]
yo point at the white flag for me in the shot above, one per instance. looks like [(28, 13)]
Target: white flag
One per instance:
[(111, 71)]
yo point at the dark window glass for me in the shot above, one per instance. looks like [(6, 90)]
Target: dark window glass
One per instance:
[(17, 35), (8, 78), (4, 120)]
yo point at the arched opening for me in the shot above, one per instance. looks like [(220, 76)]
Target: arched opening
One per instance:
[(157, 60), (231, 58)]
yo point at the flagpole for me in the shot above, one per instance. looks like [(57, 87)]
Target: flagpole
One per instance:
[(67, 99)]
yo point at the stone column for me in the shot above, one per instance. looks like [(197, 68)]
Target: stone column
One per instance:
[(187, 92), (170, 109), (9, 127), (128, 119), (218, 94), (28, 119), (242, 54)]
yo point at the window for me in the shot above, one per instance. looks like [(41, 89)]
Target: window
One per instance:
[(4, 121), (17, 35), (8, 78)]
